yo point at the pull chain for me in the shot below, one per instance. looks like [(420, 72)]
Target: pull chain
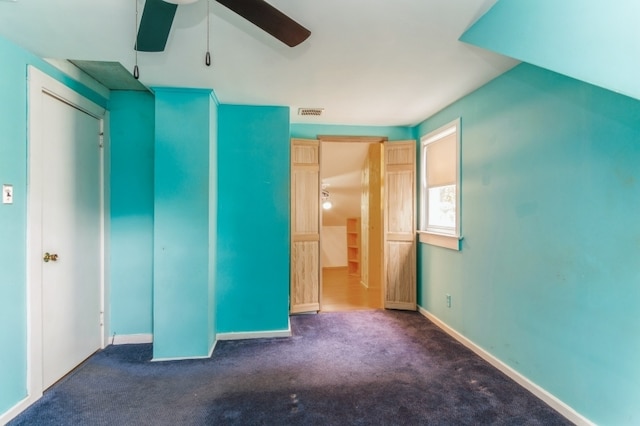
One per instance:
[(136, 70), (207, 56)]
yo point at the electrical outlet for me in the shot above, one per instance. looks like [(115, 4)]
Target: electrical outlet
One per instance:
[(448, 300)]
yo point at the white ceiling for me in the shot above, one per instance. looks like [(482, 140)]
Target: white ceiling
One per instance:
[(367, 62)]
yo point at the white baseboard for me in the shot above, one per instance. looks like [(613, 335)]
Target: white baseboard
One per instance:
[(184, 358), (131, 339), (13, 412), (255, 334), (124, 339), (538, 391)]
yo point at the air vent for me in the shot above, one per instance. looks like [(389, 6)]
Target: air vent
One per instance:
[(310, 111)]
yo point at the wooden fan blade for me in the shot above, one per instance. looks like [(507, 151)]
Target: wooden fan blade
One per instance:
[(270, 19), (157, 17)]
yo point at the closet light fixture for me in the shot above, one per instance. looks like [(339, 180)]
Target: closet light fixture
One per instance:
[(326, 202)]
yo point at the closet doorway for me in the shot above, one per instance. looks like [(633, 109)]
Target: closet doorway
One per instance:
[(394, 264), (351, 225)]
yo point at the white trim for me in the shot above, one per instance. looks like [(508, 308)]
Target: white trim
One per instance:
[(441, 239), (103, 253), (14, 411), (544, 395), (39, 83), (105, 194), (447, 241), (442, 132), (131, 339), (185, 358), (180, 358), (255, 334)]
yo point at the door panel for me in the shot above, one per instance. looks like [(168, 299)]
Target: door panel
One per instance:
[(305, 226), (400, 201), (400, 270), (400, 225), (365, 197), (305, 188), (305, 276), (71, 223)]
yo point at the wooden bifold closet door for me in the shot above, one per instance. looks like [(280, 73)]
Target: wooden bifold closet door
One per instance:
[(305, 226), (399, 247), (400, 225)]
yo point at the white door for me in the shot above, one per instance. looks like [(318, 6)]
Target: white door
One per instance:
[(400, 285), (65, 181)]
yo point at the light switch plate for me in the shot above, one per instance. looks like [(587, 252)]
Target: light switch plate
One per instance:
[(7, 194)]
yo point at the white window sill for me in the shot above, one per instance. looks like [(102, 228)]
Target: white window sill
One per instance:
[(441, 240)]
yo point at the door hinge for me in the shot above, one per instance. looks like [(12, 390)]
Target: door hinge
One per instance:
[(101, 143)]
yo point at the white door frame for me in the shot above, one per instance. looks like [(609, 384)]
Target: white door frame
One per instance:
[(40, 84)]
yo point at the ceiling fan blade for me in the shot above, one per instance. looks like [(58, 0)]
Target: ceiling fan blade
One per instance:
[(270, 19), (155, 25)]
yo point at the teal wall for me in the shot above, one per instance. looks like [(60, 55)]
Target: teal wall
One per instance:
[(131, 260), (182, 303), (547, 279), (253, 219), (13, 225), (591, 40), (13, 169), (311, 131)]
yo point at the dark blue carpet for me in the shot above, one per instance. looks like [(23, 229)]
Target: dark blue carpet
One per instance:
[(356, 368)]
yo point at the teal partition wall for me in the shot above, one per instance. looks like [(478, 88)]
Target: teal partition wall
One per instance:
[(182, 288), (13, 217), (132, 125), (253, 219), (547, 278)]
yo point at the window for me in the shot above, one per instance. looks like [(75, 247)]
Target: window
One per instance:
[(440, 186)]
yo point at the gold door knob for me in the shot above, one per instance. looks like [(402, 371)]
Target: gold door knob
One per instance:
[(50, 257)]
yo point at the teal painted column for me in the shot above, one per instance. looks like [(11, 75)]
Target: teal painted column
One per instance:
[(183, 305)]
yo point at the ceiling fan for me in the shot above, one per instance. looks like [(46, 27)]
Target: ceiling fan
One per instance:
[(157, 17)]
